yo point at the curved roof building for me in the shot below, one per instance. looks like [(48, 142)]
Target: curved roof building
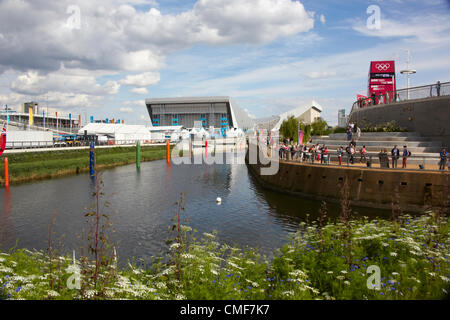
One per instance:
[(217, 112)]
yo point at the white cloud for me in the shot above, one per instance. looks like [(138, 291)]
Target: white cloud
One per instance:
[(136, 103), (320, 74), (427, 28), (322, 19), (139, 90), (65, 81), (127, 110), (141, 80)]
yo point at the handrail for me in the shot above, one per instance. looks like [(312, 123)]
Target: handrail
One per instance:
[(391, 97)]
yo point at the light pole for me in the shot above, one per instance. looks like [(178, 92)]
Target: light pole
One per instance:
[(408, 72)]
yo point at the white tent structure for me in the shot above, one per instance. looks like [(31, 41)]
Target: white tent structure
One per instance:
[(121, 133)]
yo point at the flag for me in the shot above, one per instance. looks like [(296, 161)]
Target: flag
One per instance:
[(3, 140)]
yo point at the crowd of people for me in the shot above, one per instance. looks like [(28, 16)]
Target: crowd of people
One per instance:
[(316, 153)]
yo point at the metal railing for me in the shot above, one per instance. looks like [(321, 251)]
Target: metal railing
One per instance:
[(370, 160), (422, 92)]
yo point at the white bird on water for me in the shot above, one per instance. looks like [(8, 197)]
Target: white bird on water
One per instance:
[(219, 200)]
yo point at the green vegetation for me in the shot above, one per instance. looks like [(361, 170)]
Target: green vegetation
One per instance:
[(323, 260), (289, 129), (391, 126), (42, 165)]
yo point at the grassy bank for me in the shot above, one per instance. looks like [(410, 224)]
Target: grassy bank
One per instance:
[(321, 261), (43, 165)]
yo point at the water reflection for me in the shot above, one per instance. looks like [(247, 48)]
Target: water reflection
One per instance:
[(6, 226)]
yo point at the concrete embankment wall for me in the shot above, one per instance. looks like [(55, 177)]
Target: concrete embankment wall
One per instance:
[(430, 117), (366, 187)]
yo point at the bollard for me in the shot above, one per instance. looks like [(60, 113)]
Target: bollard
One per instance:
[(168, 151), (214, 146), (6, 173), (206, 147), (190, 148), (138, 155)]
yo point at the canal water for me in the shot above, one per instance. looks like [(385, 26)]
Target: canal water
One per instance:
[(141, 205)]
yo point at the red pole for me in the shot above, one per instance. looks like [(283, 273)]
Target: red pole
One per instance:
[(168, 151), (206, 147), (6, 173)]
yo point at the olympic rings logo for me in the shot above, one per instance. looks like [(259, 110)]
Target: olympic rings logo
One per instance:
[(383, 66)]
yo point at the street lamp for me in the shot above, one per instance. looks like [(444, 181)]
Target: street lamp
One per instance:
[(408, 72)]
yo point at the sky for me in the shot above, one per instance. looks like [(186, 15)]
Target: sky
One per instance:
[(104, 58)]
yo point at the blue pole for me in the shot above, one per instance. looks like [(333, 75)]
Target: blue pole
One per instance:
[(92, 160)]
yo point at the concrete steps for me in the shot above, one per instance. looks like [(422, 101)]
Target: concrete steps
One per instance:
[(423, 149)]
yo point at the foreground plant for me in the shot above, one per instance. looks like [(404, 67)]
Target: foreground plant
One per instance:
[(412, 256)]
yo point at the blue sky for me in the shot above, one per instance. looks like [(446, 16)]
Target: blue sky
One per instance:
[(269, 55)]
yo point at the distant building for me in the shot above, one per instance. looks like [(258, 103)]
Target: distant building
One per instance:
[(206, 112), (342, 119), (306, 114)]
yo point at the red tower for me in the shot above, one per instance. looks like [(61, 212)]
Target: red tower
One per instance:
[(382, 80)]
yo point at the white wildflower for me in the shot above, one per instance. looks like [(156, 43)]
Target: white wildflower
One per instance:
[(52, 293), (209, 235), (288, 293), (161, 285), (175, 245), (393, 254)]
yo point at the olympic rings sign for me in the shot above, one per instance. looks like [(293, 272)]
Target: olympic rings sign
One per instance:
[(383, 66)]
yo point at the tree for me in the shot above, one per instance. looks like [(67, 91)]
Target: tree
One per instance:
[(320, 127), (289, 129)]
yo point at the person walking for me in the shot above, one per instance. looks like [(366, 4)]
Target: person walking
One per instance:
[(395, 153), (406, 154), (443, 161)]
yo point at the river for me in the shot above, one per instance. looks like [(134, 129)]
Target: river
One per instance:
[(141, 205)]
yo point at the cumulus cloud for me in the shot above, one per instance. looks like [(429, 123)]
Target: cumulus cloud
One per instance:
[(63, 54), (63, 80), (141, 80), (115, 36), (139, 90)]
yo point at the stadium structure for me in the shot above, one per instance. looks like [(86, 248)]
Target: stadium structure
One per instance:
[(199, 112)]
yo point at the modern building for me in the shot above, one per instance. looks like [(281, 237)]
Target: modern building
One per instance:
[(342, 118), (206, 112), (306, 114)]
